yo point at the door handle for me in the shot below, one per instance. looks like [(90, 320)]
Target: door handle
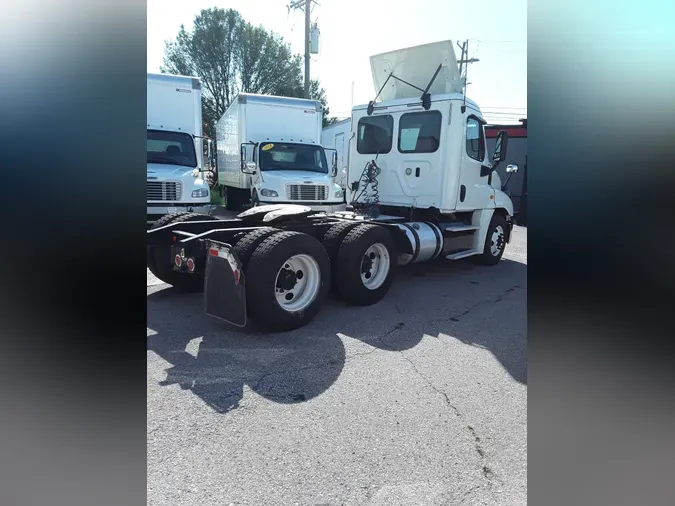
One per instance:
[(417, 172)]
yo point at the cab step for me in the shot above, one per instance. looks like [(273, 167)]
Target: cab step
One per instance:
[(462, 253), (458, 227)]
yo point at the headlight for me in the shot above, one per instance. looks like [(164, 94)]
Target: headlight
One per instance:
[(268, 193), (338, 194), (201, 192)]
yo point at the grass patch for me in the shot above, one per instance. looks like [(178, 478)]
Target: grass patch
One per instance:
[(216, 199)]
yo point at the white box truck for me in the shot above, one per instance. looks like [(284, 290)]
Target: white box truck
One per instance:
[(269, 152), (175, 152), (336, 136), (421, 186)]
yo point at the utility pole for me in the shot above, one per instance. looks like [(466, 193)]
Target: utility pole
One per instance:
[(306, 6), (464, 61)]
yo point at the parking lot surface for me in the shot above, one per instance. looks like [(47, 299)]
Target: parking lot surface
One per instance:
[(417, 400)]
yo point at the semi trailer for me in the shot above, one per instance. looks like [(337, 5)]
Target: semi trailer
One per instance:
[(176, 150), (421, 186), (278, 140)]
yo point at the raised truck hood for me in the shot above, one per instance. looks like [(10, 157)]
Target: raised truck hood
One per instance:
[(416, 65)]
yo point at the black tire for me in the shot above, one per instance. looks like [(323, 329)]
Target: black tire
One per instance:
[(350, 256), (487, 257), (163, 221), (255, 200), (261, 280), (247, 244), (233, 198), (332, 240), (160, 263)]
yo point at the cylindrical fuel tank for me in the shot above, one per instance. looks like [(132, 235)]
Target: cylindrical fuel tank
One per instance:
[(426, 240)]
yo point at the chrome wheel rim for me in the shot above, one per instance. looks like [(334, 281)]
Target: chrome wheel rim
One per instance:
[(497, 240), (298, 282), (375, 266)]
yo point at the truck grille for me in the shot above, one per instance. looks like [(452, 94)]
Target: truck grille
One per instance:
[(163, 190), (305, 192)]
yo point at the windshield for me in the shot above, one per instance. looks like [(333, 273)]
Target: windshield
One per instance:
[(288, 156), (173, 148)]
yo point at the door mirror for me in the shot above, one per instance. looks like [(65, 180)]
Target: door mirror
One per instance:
[(500, 147), (512, 167), (333, 161), (248, 165), (249, 168)]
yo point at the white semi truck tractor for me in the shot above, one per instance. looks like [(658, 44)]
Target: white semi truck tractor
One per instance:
[(420, 187), (176, 151)]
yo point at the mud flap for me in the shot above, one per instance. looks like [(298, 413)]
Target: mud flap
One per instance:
[(224, 285)]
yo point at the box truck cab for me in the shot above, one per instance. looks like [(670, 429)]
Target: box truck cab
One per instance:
[(269, 152), (175, 147)]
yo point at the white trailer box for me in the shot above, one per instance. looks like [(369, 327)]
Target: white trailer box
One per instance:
[(269, 152), (174, 154), (336, 136)]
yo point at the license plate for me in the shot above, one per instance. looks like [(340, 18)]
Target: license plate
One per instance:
[(172, 210)]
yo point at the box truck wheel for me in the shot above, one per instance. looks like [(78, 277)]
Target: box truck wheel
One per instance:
[(495, 241), (287, 280), (255, 201), (235, 198), (160, 262), (365, 261)]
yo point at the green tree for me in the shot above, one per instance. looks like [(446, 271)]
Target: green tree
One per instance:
[(230, 55)]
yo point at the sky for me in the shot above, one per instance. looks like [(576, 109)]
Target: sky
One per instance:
[(353, 30)]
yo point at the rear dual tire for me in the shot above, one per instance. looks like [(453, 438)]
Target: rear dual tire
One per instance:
[(363, 264), (287, 280), (160, 262)]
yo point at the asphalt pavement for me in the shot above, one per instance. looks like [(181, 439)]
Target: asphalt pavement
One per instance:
[(418, 400)]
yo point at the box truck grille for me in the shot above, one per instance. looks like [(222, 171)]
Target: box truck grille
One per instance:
[(306, 192), (163, 190)]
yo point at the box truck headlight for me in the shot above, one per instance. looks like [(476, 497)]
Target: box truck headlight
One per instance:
[(268, 193), (201, 192), (338, 194)]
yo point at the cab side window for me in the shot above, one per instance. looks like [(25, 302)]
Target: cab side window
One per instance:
[(374, 135), (475, 141)]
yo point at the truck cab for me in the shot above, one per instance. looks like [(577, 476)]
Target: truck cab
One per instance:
[(428, 158), (292, 173), (426, 137), (175, 149)]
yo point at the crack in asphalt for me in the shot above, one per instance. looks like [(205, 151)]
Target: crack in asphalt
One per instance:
[(455, 318), (488, 474), (300, 397), (190, 382)]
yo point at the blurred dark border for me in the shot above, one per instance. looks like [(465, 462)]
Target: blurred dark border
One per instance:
[(601, 243), (601, 282), (72, 143)]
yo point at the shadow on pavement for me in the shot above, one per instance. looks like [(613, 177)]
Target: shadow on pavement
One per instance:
[(215, 360)]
